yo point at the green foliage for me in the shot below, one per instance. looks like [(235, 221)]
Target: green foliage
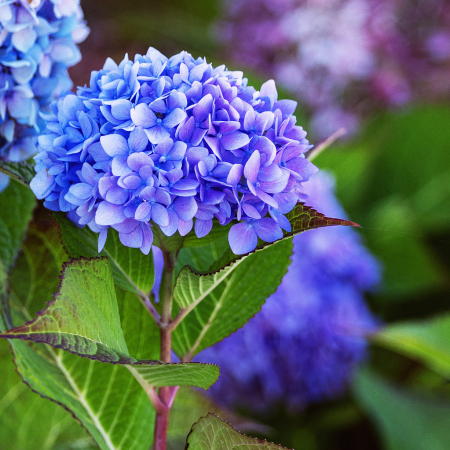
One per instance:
[(199, 375), (16, 205), (84, 317), (22, 172), (132, 270), (395, 182), (212, 433), (427, 341), (23, 423), (5, 310), (220, 303), (407, 421)]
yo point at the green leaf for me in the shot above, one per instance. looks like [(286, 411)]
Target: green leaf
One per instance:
[(84, 317), (105, 398), (407, 421), (24, 414), (216, 305), (22, 172), (132, 270), (427, 341), (212, 433), (5, 310), (16, 206), (190, 374)]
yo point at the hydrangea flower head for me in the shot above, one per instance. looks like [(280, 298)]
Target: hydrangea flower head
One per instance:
[(167, 142), (309, 336), (37, 45)]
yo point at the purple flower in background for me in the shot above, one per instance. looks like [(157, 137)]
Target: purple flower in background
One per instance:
[(174, 143), (303, 345), (37, 45), (343, 58)]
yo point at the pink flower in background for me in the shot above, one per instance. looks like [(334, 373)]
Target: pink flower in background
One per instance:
[(343, 58)]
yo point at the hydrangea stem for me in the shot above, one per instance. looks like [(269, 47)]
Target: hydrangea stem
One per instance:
[(166, 394)]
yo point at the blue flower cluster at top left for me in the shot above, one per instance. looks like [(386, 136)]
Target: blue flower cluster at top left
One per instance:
[(37, 44), (168, 141)]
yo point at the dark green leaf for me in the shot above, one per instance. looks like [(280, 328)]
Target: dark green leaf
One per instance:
[(406, 420), (212, 433), (427, 341), (132, 270), (5, 310), (16, 206), (218, 304), (22, 172)]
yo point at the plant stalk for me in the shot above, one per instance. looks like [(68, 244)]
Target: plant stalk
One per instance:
[(166, 393)]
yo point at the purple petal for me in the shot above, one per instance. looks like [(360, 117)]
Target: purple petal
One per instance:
[(234, 140), (198, 135), (143, 116), (119, 165), (116, 195), (202, 109), (81, 190), (109, 214), (102, 239), (203, 227), (147, 239), (143, 211), (267, 229), (235, 174), (187, 129), (156, 134), (196, 154), (161, 196), (251, 168), (251, 211), (137, 160), (137, 140), (174, 118), (213, 142), (185, 227), (133, 239), (42, 184), (185, 207), (266, 198), (242, 238), (173, 223), (121, 108), (114, 145), (160, 215)]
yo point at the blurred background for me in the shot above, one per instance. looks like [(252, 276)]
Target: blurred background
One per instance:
[(381, 70)]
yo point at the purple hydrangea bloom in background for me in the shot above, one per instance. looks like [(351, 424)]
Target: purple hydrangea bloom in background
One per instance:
[(37, 45), (309, 336), (167, 142), (343, 58)]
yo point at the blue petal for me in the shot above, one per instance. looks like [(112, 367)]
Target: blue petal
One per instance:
[(242, 238)]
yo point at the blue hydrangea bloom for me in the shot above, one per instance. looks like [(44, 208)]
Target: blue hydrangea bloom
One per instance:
[(37, 45), (305, 342), (167, 142)]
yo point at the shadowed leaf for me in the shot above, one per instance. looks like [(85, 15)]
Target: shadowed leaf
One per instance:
[(22, 172), (132, 270), (16, 206), (406, 420), (426, 341), (212, 433)]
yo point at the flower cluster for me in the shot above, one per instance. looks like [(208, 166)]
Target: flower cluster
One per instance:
[(338, 56), (169, 141), (309, 336), (37, 45)]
